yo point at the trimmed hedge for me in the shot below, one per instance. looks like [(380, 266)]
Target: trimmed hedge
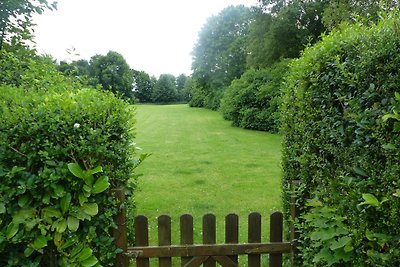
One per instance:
[(62, 150), (252, 101), (342, 150)]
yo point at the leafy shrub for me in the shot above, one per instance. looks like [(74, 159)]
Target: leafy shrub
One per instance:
[(62, 150), (340, 148), (252, 102), (25, 69)]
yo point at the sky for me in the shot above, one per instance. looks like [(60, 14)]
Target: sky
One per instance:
[(155, 36)]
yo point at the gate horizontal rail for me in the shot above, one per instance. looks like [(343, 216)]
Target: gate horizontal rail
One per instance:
[(208, 250)]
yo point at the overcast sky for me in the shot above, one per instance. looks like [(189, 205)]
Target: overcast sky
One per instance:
[(156, 36)]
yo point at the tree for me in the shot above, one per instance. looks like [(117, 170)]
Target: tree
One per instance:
[(113, 73), (165, 89), (16, 19), (142, 86), (183, 95), (219, 56), (284, 30), (343, 10)]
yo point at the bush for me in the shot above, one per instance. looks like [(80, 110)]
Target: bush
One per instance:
[(252, 102), (337, 144), (62, 150)]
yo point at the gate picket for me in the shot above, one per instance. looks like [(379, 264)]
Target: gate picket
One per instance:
[(141, 238), (209, 236), (186, 231), (254, 236)]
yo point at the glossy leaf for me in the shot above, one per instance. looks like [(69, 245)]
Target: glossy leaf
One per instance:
[(65, 202), (100, 185), (11, 230), (40, 242), (73, 223), (90, 208), (76, 170), (90, 262)]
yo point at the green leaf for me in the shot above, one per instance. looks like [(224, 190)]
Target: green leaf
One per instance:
[(360, 171), (65, 202), (23, 201), (2, 208), (90, 208), (73, 223), (23, 215), (84, 254), (76, 170), (389, 146), (11, 230), (40, 242), (95, 170), (324, 234), (68, 243), (59, 190), (90, 262), (28, 251), (341, 242), (51, 163), (61, 226), (370, 199), (50, 213), (101, 185), (82, 199)]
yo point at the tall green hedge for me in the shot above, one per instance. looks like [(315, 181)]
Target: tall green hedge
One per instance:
[(62, 151), (341, 147)]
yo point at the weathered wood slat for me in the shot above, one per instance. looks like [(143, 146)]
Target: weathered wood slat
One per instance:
[(196, 261), (254, 236), (164, 238), (141, 238), (232, 232), (225, 261), (209, 235), (207, 250), (120, 234), (186, 231), (275, 235)]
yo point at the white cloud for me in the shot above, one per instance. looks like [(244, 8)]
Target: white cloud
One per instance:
[(155, 36)]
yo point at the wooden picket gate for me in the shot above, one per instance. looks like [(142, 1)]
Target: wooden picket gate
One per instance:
[(209, 253)]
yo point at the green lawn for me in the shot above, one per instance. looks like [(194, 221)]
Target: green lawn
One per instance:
[(201, 164)]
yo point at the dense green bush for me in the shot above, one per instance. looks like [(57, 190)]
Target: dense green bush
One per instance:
[(252, 102), (342, 150), (62, 151)]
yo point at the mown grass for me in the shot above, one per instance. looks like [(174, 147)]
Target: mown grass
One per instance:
[(201, 164)]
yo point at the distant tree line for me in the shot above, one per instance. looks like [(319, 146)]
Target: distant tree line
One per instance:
[(112, 72)]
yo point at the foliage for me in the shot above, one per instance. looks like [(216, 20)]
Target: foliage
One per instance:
[(283, 32), (16, 20), (165, 89), (62, 150), (343, 10), (341, 147), (182, 88), (143, 86), (252, 102), (113, 73), (23, 68), (219, 55)]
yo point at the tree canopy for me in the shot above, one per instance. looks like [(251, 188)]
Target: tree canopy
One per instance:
[(113, 73), (219, 55), (16, 19)]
